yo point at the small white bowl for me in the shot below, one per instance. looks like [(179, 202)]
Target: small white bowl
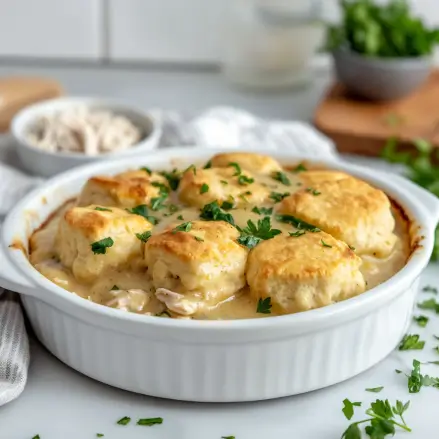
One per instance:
[(47, 164)]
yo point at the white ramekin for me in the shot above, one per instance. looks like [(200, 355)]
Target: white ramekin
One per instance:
[(214, 361), (47, 164)]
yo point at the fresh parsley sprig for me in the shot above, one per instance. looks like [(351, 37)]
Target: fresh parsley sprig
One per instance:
[(416, 380), (253, 234), (213, 212), (411, 342)]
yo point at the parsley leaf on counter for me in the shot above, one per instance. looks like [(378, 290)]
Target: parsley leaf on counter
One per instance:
[(264, 306), (150, 421), (430, 304), (142, 210), (212, 212), (184, 227), (421, 320), (277, 197), (375, 389), (411, 342), (103, 209), (416, 380), (429, 289), (348, 408), (36, 437), (144, 236), (227, 437), (204, 188), (124, 421), (297, 223), (99, 435), (252, 235), (100, 247), (263, 210), (281, 177)]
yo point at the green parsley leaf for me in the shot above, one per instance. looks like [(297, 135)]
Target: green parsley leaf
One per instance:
[(352, 432), (436, 337), (379, 429), (299, 168), (429, 289), (324, 244), (375, 389), (281, 177), (173, 178), (100, 247), (99, 435), (199, 239), (415, 379), (142, 210), (264, 306), (297, 223), (421, 320), (184, 227), (208, 165), (147, 170), (114, 288), (212, 212), (124, 421), (191, 167), (163, 189), (253, 234), (36, 437), (150, 421), (277, 197), (237, 168), (227, 437), (243, 180), (436, 349), (430, 304), (411, 342), (204, 188), (180, 217), (348, 408), (351, 247), (263, 210), (157, 202), (314, 192), (144, 236), (400, 408), (173, 208), (103, 209), (224, 182), (297, 233)]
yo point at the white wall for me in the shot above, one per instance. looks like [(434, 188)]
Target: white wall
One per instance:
[(188, 31)]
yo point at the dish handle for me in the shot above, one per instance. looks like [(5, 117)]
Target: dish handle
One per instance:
[(12, 279)]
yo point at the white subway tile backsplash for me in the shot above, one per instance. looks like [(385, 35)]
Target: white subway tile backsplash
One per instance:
[(51, 29)]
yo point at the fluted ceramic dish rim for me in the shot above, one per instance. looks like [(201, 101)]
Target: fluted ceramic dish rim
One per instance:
[(414, 200)]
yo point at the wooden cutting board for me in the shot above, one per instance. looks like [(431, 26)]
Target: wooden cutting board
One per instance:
[(362, 127), (18, 92)]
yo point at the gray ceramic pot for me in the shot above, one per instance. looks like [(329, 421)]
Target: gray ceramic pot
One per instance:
[(380, 79)]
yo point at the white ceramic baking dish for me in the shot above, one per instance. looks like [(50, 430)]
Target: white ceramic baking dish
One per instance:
[(217, 361)]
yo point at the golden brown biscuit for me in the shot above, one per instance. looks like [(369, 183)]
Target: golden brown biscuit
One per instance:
[(221, 184), (348, 209), (310, 178), (197, 264), (89, 241), (299, 273), (128, 189), (257, 163)]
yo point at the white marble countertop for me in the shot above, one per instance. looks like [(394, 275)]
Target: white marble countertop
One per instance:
[(60, 403)]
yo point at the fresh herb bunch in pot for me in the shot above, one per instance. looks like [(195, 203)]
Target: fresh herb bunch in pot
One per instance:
[(381, 51)]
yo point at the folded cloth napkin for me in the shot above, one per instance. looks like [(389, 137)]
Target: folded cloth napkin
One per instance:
[(222, 126)]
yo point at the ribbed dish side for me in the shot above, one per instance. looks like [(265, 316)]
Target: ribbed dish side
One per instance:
[(223, 372)]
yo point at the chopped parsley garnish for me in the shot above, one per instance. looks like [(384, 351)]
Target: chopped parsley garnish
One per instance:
[(208, 165), (180, 217), (173, 208), (430, 304), (299, 168), (224, 182), (173, 178), (99, 435), (297, 233), (157, 202), (252, 235), (199, 239), (147, 170), (237, 168), (421, 320), (163, 189), (204, 188), (115, 288), (351, 247), (281, 177), (264, 306), (381, 421), (150, 421), (243, 196), (348, 408), (324, 244), (124, 421), (212, 212), (144, 236), (185, 227), (263, 210), (227, 205), (277, 197), (100, 247), (297, 223), (429, 289), (411, 342), (375, 389), (243, 180), (312, 191), (103, 209), (191, 167), (142, 210)]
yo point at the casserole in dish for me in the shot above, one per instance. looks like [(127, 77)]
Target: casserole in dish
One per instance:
[(223, 360)]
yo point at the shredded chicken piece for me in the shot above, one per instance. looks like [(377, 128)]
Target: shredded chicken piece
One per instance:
[(81, 129), (176, 302), (129, 300)]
